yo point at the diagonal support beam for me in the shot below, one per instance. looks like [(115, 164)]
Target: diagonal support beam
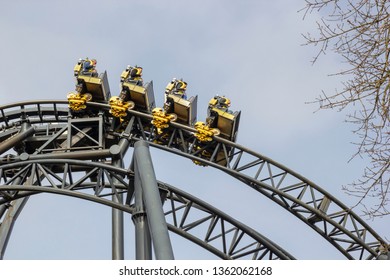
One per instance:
[(26, 131)]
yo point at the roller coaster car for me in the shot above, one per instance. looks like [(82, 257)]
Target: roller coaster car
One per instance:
[(184, 109), (226, 121), (134, 90), (220, 122), (177, 103), (89, 82)]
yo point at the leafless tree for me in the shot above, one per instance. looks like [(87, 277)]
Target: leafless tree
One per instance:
[(359, 31)]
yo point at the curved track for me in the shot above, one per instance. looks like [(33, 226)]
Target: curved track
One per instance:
[(216, 232), (46, 125)]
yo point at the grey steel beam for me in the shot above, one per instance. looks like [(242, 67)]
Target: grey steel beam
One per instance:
[(117, 221), (3, 208), (175, 228), (82, 154), (16, 206), (143, 244), (25, 132), (117, 230), (13, 210), (151, 197), (384, 256), (8, 222), (117, 152), (142, 235)]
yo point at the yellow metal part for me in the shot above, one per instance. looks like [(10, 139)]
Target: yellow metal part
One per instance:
[(124, 75), (132, 73), (119, 108), (221, 102), (77, 69), (161, 119), (90, 80), (177, 87), (97, 86), (169, 87), (77, 101), (136, 72), (204, 132), (197, 162), (203, 154)]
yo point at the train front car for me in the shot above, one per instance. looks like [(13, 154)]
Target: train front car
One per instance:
[(220, 122), (90, 86), (220, 117), (134, 94)]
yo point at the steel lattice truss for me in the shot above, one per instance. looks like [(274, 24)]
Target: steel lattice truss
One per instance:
[(221, 234), (62, 146)]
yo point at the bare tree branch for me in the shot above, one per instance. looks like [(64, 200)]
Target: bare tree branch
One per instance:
[(359, 31)]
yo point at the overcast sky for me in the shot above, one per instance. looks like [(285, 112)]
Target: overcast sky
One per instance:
[(250, 51)]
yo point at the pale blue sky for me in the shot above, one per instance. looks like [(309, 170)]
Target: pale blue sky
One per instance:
[(248, 50)]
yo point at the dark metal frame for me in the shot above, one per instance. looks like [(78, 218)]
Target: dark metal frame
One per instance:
[(102, 181), (318, 209)]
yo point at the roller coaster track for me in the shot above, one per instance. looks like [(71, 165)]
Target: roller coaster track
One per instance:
[(51, 166)]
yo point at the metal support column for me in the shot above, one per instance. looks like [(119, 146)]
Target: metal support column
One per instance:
[(143, 241), (3, 208), (117, 152), (117, 221), (8, 222), (153, 206), (16, 206)]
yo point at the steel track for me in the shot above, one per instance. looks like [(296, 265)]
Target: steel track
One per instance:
[(317, 208)]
